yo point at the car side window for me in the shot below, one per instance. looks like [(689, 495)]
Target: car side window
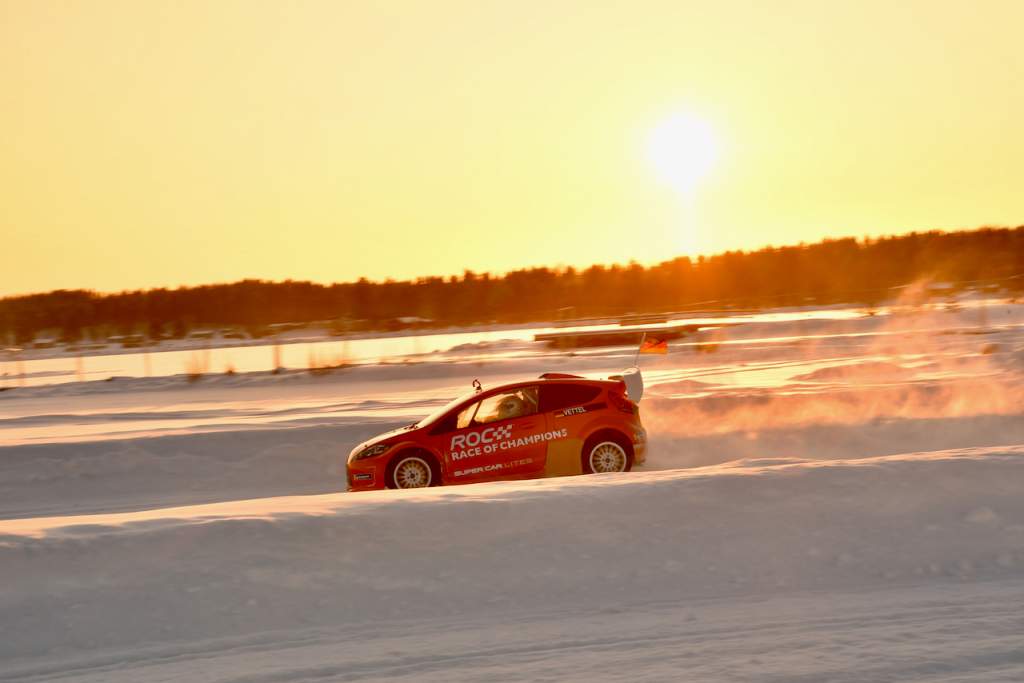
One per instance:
[(559, 396), (465, 417), (505, 405)]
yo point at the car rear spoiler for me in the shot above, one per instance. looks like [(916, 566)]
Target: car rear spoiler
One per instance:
[(634, 382)]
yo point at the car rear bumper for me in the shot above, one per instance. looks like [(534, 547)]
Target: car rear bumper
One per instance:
[(639, 446), (639, 453)]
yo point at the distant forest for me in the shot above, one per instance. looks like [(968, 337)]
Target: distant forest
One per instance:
[(832, 271)]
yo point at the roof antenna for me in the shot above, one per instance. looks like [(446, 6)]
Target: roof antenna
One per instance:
[(477, 386)]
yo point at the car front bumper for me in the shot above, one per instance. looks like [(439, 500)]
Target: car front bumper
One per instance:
[(365, 475)]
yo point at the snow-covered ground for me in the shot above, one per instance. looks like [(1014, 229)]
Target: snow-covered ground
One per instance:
[(826, 499)]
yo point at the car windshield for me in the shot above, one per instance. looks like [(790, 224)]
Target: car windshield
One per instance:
[(443, 410)]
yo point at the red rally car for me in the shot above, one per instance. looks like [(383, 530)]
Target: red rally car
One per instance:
[(556, 425)]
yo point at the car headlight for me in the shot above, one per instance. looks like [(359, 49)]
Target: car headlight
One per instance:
[(372, 451)]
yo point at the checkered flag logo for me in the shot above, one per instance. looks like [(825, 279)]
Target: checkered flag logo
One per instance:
[(502, 432)]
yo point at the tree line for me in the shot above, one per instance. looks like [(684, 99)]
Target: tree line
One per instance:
[(831, 271)]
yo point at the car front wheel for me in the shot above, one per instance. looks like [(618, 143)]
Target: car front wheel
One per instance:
[(412, 471)]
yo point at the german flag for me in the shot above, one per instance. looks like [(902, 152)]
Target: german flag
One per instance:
[(652, 344)]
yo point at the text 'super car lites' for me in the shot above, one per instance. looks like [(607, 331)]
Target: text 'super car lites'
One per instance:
[(555, 425)]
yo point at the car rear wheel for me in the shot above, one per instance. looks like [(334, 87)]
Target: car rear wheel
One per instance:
[(413, 471), (607, 455)]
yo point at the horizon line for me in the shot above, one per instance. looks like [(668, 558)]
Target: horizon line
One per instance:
[(558, 268)]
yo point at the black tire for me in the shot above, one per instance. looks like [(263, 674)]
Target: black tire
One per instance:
[(601, 447), (407, 466)]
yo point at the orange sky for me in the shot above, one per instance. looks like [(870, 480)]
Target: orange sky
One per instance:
[(164, 143)]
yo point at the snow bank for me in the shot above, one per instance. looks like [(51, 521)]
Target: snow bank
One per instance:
[(105, 583)]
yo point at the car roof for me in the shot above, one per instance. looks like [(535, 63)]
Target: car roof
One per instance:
[(546, 378)]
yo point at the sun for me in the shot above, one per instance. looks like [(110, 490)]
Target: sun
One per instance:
[(682, 149)]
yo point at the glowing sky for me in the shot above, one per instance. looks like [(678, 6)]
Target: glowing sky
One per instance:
[(162, 143)]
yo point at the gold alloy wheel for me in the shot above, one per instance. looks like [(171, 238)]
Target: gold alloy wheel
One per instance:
[(412, 473), (608, 456)]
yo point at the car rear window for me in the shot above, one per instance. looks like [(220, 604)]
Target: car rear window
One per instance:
[(558, 396)]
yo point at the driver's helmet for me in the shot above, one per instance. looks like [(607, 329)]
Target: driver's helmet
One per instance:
[(511, 406)]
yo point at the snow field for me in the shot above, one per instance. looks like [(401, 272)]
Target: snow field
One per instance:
[(835, 500)]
